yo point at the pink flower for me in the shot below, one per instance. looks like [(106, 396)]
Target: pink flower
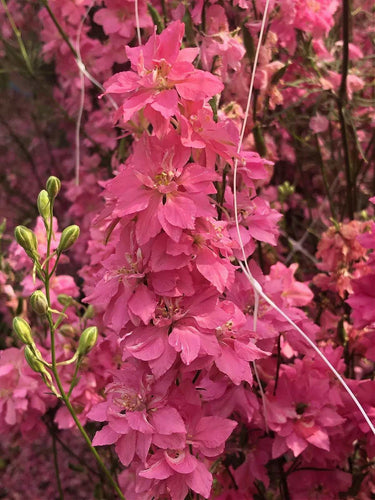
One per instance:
[(163, 189), (138, 414), (161, 75)]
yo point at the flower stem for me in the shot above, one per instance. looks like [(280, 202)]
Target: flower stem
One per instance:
[(63, 395), (56, 465)]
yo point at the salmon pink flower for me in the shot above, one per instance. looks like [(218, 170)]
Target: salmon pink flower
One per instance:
[(163, 189), (161, 75)]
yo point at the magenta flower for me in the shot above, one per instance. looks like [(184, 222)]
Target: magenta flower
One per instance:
[(163, 189), (161, 75), (137, 413)]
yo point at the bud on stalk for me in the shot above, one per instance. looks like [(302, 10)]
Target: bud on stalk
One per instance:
[(34, 363), (53, 186), (27, 240), (38, 302), (87, 340), (23, 330), (65, 300), (68, 238), (44, 205)]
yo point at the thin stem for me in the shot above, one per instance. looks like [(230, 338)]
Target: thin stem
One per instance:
[(342, 102), (56, 465), (18, 35), (324, 176), (73, 382), (63, 394)]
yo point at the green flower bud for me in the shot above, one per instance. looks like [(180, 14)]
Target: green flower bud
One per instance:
[(67, 331), (65, 300), (38, 302), (53, 186), (44, 205), (23, 330), (89, 313), (32, 360), (87, 340), (68, 238), (27, 240)]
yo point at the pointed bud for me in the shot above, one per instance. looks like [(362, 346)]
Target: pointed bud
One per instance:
[(53, 186), (65, 300), (23, 330), (32, 360), (67, 331), (44, 205), (87, 340), (27, 240), (89, 313), (38, 302), (68, 238)]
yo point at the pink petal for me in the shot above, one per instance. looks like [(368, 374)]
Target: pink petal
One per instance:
[(105, 436), (143, 303), (166, 103), (200, 480), (183, 462), (186, 341), (167, 421), (125, 448), (158, 470), (145, 343), (236, 368), (213, 431)]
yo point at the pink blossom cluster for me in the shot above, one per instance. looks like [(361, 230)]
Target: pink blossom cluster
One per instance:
[(198, 387)]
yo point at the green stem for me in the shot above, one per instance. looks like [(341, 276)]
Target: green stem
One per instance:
[(18, 35), (59, 28), (56, 465), (63, 394), (73, 382)]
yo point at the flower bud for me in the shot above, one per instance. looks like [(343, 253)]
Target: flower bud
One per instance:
[(44, 205), (65, 300), (32, 360), (89, 313), (27, 240), (53, 186), (38, 302), (23, 330), (67, 331), (68, 238), (87, 340)]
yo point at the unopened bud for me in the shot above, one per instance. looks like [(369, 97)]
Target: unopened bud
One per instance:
[(27, 240), (32, 360), (68, 238), (23, 330), (65, 300), (87, 340), (44, 205), (38, 302), (67, 331), (53, 186), (89, 313)]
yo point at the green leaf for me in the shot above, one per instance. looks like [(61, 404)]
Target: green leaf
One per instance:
[(156, 18)]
